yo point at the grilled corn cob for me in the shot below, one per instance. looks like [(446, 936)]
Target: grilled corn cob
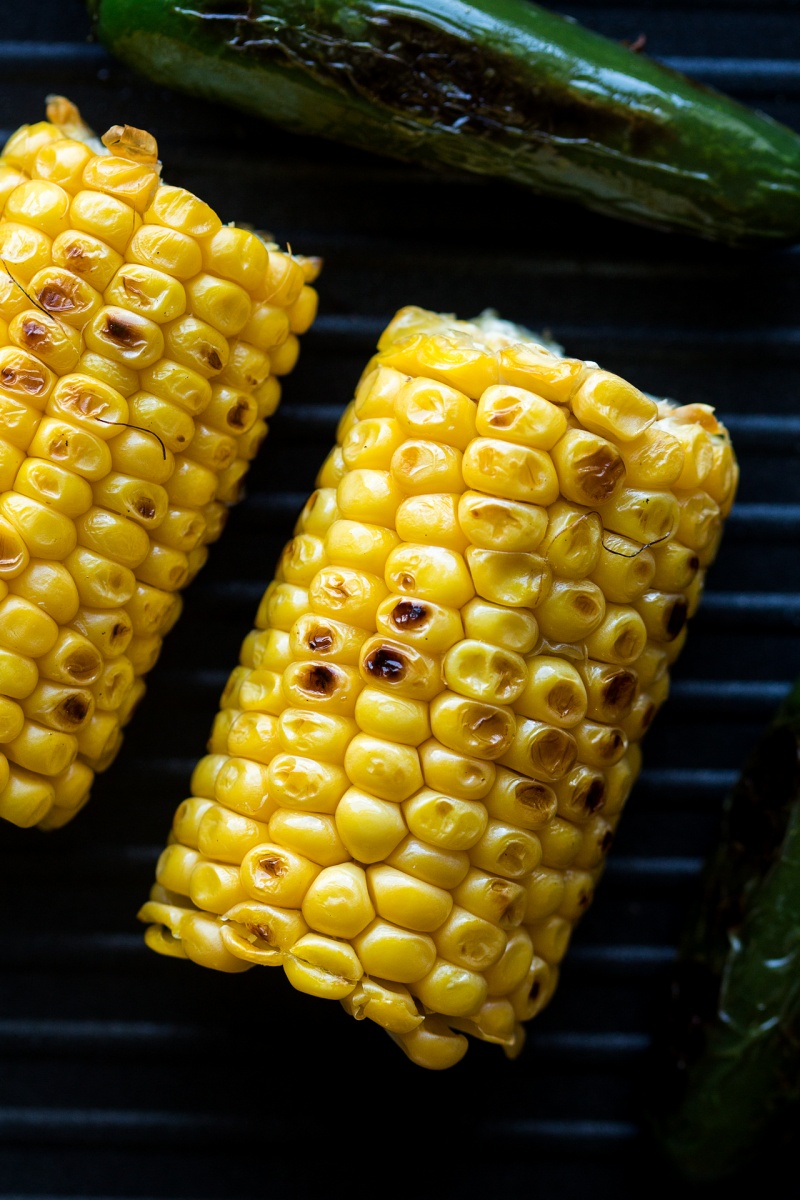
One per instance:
[(419, 763), (141, 346)]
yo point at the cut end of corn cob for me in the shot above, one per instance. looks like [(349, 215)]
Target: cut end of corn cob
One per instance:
[(142, 343), (420, 761)]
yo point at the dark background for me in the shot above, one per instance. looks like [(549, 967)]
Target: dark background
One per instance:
[(127, 1075)]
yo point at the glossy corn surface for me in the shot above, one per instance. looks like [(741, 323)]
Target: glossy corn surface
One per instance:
[(142, 342), (420, 761)]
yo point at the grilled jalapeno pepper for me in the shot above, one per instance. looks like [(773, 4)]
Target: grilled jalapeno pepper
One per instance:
[(499, 87), (728, 1068)]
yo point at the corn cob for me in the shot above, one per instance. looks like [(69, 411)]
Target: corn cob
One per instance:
[(420, 761), (141, 347)]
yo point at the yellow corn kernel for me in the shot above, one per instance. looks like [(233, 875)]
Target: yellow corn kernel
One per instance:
[(455, 774), (644, 516), (187, 820), (379, 713), (241, 785), (118, 538), (573, 542), (408, 901), (421, 468), (47, 483), (99, 738), (607, 405), (108, 630), (24, 251), (431, 520), (516, 415), (391, 952), (26, 798), (215, 887), (515, 629), (552, 691), (561, 842), (427, 409), (201, 941), (517, 800), (87, 256), (12, 718), (19, 422), (495, 900), (624, 568), (390, 1005), (517, 579), (42, 750), (276, 875), (452, 990), (571, 611), (506, 469), (654, 459), (513, 966), (322, 735), (371, 496), (599, 745), (432, 864), (580, 793), (383, 768), (506, 851), (445, 821), (61, 161), (337, 902), (322, 966), (466, 940), (346, 594), (313, 637), (369, 827), (226, 836), (540, 750), (313, 835), (528, 365), (620, 638), (471, 727), (497, 523), (266, 327), (544, 893), (11, 459), (14, 556), (236, 254)]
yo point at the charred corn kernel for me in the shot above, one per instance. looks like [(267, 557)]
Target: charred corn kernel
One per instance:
[(65, 296), (24, 377), (56, 344), (110, 632), (421, 623), (400, 668), (337, 902), (436, 716), (59, 707)]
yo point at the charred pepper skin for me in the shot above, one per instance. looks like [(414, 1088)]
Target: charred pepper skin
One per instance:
[(500, 87), (726, 1062)]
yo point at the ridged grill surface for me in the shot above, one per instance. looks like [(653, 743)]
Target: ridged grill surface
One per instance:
[(126, 1075)]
